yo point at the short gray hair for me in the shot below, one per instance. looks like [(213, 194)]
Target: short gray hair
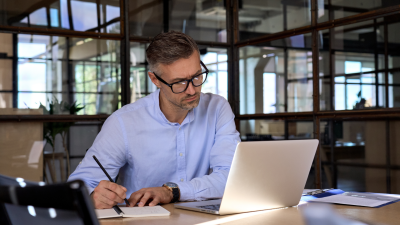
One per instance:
[(169, 47)]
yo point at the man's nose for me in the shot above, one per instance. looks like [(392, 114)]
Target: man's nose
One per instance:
[(190, 89)]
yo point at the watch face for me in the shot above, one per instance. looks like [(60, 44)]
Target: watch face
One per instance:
[(172, 185)]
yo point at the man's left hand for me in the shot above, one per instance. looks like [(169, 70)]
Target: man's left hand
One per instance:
[(156, 194)]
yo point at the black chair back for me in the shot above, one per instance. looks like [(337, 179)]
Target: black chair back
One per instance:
[(24, 202)]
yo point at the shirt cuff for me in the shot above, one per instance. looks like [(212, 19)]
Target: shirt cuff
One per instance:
[(90, 189), (187, 191)]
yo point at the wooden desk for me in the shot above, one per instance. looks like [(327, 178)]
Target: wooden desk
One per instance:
[(388, 215)]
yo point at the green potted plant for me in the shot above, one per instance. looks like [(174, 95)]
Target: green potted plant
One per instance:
[(50, 130)]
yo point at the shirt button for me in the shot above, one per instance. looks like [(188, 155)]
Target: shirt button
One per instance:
[(181, 180), (180, 154), (179, 128)]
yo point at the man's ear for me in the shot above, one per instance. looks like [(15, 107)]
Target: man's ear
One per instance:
[(154, 79)]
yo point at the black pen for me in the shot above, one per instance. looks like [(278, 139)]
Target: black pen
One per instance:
[(117, 209), (126, 201)]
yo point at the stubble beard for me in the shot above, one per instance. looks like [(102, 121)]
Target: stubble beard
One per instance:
[(189, 105), (183, 104)]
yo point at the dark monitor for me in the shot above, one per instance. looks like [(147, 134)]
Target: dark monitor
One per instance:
[(36, 203)]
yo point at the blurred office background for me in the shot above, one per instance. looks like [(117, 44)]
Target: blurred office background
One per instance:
[(291, 69)]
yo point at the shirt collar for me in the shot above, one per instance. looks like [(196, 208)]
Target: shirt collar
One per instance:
[(189, 117)]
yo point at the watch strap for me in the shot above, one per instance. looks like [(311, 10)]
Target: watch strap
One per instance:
[(175, 193)]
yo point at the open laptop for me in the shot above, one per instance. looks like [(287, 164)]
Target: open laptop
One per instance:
[(263, 175)]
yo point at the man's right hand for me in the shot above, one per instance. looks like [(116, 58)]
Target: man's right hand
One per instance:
[(107, 194)]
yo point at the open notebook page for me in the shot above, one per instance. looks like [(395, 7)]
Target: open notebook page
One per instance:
[(145, 211), (133, 212), (106, 213)]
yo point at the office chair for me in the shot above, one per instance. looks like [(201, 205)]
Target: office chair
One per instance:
[(24, 202)]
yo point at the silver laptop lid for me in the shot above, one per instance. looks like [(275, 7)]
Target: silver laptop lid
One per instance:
[(267, 174)]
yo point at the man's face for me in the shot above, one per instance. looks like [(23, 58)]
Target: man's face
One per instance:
[(182, 69)]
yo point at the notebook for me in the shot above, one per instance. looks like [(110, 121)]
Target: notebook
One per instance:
[(133, 212), (358, 199)]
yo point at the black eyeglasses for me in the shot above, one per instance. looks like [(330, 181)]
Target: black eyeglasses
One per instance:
[(181, 86)]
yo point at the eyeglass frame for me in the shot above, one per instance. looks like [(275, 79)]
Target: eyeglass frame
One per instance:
[(188, 80)]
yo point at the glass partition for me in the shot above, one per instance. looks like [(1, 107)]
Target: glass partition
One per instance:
[(96, 72), (145, 18), (216, 61), (394, 62), (276, 79), (356, 154), (258, 18), (204, 20), (101, 16), (55, 70), (141, 84), (342, 8), (258, 130), (356, 53), (264, 130)]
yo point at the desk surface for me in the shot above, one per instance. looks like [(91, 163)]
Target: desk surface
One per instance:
[(389, 215)]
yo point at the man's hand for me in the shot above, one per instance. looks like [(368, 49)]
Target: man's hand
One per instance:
[(155, 194), (107, 194)]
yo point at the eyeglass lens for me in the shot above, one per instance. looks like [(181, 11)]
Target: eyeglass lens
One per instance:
[(197, 81)]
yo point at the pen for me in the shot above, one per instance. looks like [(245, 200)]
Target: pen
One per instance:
[(98, 162), (117, 209)]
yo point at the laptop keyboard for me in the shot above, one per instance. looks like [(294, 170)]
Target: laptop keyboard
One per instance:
[(210, 207)]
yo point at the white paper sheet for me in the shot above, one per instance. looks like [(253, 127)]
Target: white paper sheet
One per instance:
[(133, 212), (145, 211), (106, 213), (382, 197)]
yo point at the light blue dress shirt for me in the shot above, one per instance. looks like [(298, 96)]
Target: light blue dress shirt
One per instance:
[(147, 150)]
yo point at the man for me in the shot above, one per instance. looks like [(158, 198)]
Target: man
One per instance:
[(164, 145)]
